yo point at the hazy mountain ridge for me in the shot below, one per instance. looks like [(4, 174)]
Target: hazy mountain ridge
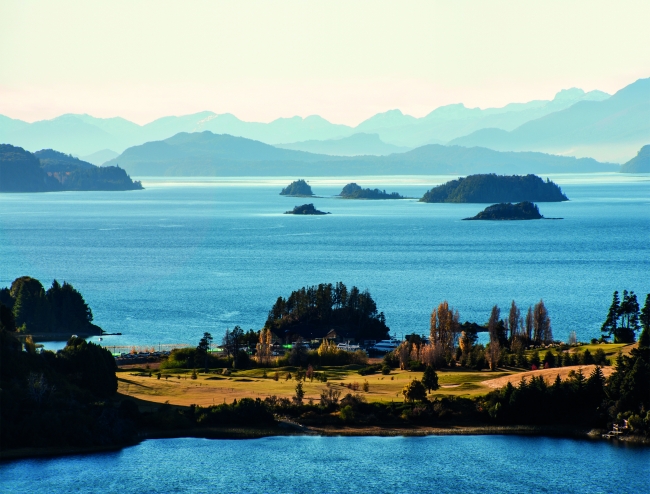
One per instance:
[(207, 154), (615, 127), (355, 145), (640, 163), (85, 135)]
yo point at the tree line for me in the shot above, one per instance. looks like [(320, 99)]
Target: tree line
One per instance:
[(451, 343)]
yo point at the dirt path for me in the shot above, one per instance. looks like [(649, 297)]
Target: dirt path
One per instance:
[(549, 375)]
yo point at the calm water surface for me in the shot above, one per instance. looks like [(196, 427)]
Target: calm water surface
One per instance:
[(452, 464), (182, 257)]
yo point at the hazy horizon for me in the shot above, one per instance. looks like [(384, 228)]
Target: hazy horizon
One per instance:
[(343, 62)]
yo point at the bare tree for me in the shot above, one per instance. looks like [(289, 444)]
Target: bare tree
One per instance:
[(493, 353), (444, 327), (541, 324), (493, 322), (514, 317), (403, 352), (264, 347), (529, 325), (494, 349)]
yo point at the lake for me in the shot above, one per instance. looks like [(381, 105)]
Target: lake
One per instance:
[(186, 256), (440, 464)]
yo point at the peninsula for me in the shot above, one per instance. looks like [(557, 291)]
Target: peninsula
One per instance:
[(305, 209), (354, 191), (492, 188), (51, 171), (274, 381), (299, 188), (508, 211)]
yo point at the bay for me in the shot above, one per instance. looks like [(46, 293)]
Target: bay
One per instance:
[(442, 464), (185, 256)]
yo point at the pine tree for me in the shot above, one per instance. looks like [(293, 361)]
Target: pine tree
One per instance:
[(644, 317), (430, 379), (611, 323)]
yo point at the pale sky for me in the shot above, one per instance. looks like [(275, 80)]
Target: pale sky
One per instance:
[(343, 60)]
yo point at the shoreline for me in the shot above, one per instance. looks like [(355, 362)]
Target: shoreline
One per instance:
[(289, 428)]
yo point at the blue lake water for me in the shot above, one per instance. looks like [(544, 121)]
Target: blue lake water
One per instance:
[(446, 464), (182, 257)]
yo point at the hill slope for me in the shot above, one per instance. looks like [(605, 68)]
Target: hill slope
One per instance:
[(207, 154), (610, 129), (50, 171), (640, 163)]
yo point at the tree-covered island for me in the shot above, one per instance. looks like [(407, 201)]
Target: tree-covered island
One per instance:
[(51, 171), (354, 191), (508, 211), (492, 188), (307, 209), (298, 188)]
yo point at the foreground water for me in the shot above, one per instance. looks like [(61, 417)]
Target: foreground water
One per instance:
[(165, 264), (446, 464)]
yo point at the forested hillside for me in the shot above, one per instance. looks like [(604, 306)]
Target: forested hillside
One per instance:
[(51, 171)]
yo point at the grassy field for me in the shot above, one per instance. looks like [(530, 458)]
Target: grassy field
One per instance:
[(211, 389)]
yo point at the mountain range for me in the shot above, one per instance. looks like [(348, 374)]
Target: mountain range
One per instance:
[(208, 154), (574, 123), (610, 129)]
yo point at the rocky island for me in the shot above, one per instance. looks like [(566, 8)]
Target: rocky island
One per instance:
[(51, 171), (492, 188), (299, 188), (306, 209), (507, 211), (354, 191)]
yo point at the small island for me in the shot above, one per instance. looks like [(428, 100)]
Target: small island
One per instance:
[(299, 188), (306, 209), (507, 211), (51, 171), (354, 191), (492, 188)]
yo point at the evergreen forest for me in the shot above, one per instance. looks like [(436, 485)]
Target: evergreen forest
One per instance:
[(28, 308), (313, 311)]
